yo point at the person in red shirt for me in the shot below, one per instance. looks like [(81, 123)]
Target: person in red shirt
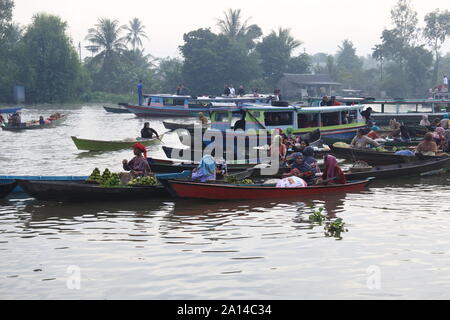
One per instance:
[(373, 133)]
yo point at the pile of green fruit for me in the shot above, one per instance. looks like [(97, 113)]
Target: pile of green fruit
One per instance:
[(95, 176), (247, 181), (107, 179), (381, 149), (143, 181), (112, 181)]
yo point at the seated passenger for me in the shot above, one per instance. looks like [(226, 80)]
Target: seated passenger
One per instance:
[(308, 153), (203, 119), (427, 147), (439, 136), (425, 122), (332, 170), (206, 170), (138, 166), (401, 135), (282, 149), (362, 142), (444, 122), (300, 168), (373, 133), (41, 120)]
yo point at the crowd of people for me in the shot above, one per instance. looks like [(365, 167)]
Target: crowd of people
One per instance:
[(436, 140)]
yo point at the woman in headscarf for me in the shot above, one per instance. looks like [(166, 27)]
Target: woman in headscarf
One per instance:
[(206, 170), (300, 168), (308, 154), (427, 147), (439, 136), (373, 133), (138, 166), (332, 170), (425, 122)]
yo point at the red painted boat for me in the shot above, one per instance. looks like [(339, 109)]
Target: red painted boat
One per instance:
[(221, 191)]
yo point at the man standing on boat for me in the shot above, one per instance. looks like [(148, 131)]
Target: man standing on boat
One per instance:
[(140, 87), (445, 83)]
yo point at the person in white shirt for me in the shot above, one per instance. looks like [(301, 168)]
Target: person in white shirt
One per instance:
[(233, 91)]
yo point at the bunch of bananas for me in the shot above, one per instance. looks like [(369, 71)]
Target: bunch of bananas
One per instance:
[(144, 181)]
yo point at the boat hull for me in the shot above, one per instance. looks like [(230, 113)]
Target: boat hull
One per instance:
[(401, 169), (81, 191), (98, 145), (11, 179), (116, 110), (6, 189), (212, 191), (150, 111), (23, 126)]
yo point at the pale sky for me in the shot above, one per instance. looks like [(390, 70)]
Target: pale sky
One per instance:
[(320, 25)]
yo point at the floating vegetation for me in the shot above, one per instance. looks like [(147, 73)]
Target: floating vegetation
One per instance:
[(335, 228), (317, 216)]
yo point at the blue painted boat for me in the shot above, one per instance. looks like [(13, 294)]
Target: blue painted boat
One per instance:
[(161, 105), (9, 110)]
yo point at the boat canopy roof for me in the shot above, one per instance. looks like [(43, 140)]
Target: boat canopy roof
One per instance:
[(249, 107)]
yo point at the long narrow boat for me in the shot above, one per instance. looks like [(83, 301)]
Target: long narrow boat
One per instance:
[(6, 189), (102, 145), (373, 157), (12, 179), (163, 105), (172, 126), (221, 191), (30, 126), (116, 110), (401, 169), (83, 191)]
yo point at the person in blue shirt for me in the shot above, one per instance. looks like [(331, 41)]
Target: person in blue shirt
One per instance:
[(140, 87)]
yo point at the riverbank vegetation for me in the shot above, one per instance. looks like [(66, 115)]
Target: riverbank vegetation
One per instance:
[(42, 57)]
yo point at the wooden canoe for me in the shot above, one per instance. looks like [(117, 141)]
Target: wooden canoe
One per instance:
[(116, 110), (27, 126), (401, 169), (11, 179), (376, 158), (83, 191), (6, 189), (102, 145), (221, 191)]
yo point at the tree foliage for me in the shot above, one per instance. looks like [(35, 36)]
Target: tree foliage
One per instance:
[(51, 70)]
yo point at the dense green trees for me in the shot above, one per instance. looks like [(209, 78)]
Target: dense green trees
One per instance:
[(212, 60), (41, 56), (51, 70)]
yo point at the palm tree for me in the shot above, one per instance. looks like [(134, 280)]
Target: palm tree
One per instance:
[(135, 33), (288, 40), (106, 35), (233, 27)]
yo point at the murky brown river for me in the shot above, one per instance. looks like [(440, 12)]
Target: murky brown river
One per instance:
[(397, 245)]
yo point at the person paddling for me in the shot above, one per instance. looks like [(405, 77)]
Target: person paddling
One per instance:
[(333, 171), (147, 132)]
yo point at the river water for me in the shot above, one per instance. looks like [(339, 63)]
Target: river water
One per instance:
[(396, 245)]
